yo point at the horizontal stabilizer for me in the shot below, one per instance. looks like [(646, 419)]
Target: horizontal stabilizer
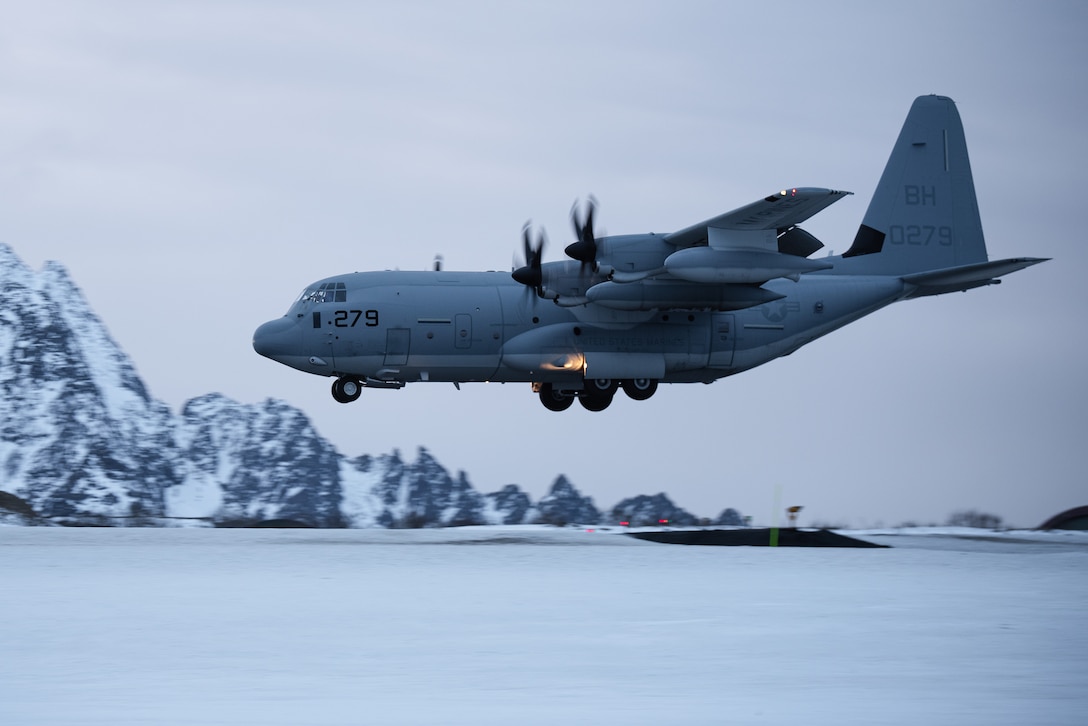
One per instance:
[(966, 277)]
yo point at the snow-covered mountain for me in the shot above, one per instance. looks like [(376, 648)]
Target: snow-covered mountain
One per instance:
[(643, 511), (246, 463), (390, 493), (82, 441), (79, 434), (564, 504)]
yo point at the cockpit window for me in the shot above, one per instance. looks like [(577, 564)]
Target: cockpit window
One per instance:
[(326, 292)]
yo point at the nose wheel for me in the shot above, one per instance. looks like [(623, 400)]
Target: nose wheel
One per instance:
[(346, 390)]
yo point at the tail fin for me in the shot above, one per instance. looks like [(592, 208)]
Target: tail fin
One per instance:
[(924, 214)]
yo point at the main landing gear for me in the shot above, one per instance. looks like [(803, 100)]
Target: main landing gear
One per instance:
[(597, 394)]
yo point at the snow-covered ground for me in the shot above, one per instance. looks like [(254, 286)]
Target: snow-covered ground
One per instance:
[(537, 626)]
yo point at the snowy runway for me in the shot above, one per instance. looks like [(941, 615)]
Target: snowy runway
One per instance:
[(529, 626)]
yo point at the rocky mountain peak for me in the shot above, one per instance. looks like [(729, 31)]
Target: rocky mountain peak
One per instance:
[(564, 504), (644, 511), (79, 434)]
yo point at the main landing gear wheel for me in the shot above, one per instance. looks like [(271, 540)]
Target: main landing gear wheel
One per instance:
[(598, 394), (346, 390), (640, 388), (553, 399)]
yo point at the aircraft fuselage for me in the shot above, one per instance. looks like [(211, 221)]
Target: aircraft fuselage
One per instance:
[(398, 327)]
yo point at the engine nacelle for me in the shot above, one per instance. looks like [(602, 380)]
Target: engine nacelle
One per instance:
[(674, 295)]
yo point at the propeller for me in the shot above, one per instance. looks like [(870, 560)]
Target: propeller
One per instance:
[(530, 273), (585, 249)]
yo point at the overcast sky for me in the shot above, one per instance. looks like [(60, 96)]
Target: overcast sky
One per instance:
[(195, 164)]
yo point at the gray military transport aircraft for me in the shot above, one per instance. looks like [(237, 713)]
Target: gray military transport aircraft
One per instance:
[(633, 311)]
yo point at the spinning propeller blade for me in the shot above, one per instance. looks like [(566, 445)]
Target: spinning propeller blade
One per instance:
[(585, 249), (530, 273)]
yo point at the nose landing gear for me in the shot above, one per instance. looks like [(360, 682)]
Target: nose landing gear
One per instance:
[(346, 390)]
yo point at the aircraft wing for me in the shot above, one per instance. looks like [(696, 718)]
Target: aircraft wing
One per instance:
[(756, 224)]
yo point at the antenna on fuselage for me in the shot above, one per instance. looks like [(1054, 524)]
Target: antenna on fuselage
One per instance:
[(438, 263)]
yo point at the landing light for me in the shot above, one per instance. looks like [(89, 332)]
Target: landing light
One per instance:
[(567, 362)]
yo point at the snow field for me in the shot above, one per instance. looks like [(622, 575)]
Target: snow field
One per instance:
[(532, 626)]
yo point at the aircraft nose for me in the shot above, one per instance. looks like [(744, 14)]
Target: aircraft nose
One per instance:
[(276, 338)]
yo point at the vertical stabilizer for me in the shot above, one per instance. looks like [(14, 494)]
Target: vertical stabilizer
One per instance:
[(924, 214)]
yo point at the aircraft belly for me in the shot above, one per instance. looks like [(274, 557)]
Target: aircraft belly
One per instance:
[(460, 368), (457, 367), (363, 366), (625, 365)]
